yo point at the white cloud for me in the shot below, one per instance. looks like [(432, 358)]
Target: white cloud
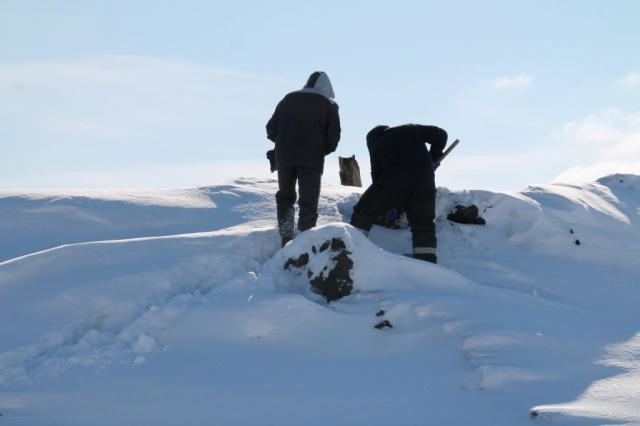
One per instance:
[(122, 92), (115, 68), (630, 80), (600, 128), (84, 127), (581, 174), (522, 81), (608, 142), (498, 100), (109, 112), (608, 128)]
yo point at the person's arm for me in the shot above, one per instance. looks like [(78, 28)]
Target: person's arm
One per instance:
[(436, 137), (272, 125), (376, 171), (376, 166), (332, 130)]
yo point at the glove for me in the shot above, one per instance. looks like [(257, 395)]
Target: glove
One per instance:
[(435, 166), (392, 214)]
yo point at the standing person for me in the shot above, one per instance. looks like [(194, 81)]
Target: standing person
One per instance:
[(305, 128), (403, 171)]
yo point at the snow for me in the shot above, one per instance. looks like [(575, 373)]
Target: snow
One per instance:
[(173, 307)]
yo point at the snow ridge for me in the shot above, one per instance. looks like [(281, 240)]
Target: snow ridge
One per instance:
[(187, 289)]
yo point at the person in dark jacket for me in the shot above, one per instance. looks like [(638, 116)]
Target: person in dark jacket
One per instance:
[(403, 172), (305, 128)]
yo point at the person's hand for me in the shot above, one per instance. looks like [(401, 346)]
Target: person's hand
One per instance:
[(435, 166), (392, 214)]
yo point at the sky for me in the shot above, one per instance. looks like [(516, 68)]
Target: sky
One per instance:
[(158, 94)]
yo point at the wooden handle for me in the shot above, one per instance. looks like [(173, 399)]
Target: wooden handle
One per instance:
[(453, 145)]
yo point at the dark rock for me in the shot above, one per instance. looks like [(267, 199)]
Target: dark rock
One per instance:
[(383, 324), (297, 263), (337, 244), (319, 283), (349, 171), (332, 276), (537, 415), (337, 283), (466, 215), (577, 242), (571, 231), (380, 313)]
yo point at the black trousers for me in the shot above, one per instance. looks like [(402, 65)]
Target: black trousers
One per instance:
[(309, 181), (420, 205)]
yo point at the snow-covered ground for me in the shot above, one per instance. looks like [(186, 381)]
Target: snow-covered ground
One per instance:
[(174, 307)]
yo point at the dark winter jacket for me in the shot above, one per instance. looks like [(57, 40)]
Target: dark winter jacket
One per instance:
[(306, 125), (399, 157)]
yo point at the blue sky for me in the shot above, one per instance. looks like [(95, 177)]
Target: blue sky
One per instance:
[(163, 94)]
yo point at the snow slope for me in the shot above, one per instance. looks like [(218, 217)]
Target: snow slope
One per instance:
[(174, 307)]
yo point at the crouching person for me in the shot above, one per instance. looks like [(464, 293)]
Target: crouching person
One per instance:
[(403, 172)]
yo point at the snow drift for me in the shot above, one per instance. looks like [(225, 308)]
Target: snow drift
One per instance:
[(174, 306)]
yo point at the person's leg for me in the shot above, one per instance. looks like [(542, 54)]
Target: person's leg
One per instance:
[(285, 199), (374, 202), (421, 213), (309, 182)]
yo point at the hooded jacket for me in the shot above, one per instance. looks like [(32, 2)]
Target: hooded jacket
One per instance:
[(399, 156), (306, 125)]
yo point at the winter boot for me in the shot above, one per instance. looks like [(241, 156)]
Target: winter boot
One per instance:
[(428, 257), (286, 241)]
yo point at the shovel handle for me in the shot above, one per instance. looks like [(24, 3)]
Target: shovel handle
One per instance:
[(453, 145)]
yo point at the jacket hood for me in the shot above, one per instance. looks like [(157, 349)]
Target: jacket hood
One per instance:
[(319, 82), (374, 134)]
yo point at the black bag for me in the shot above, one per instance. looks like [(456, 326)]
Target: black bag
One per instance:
[(271, 156), (467, 215)]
